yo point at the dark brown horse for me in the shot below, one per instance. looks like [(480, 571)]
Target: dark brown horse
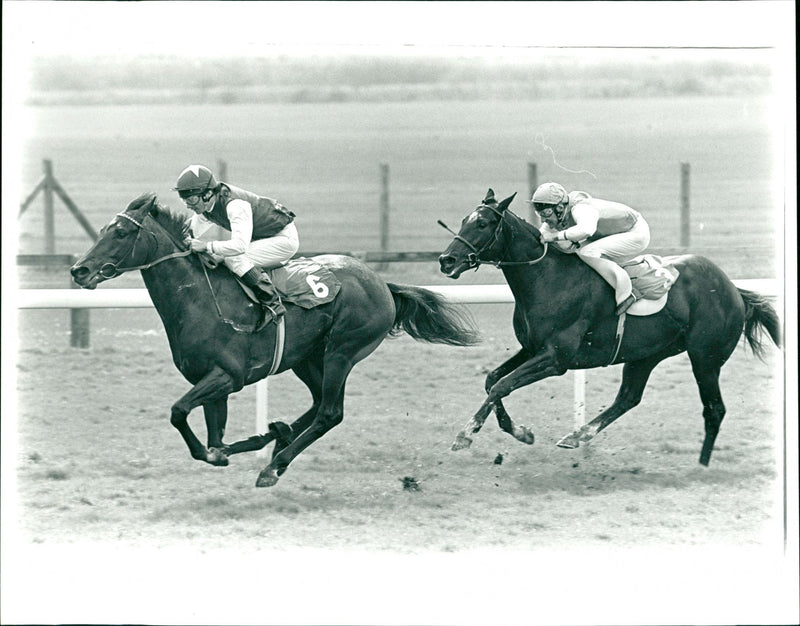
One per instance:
[(209, 323), (564, 319)]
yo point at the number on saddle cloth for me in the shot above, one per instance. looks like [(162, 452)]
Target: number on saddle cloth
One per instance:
[(305, 282), (651, 276)]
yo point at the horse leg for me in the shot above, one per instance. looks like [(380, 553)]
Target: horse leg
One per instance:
[(213, 386), (216, 414), (310, 373), (340, 357), (707, 376), (534, 369), (329, 414), (634, 380), (521, 433), (283, 434)]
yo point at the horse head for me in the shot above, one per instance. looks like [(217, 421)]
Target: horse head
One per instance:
[(480, 239), (127, 243)]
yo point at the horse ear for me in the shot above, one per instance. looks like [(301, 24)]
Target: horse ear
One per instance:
[(489, 199), (504, 204)]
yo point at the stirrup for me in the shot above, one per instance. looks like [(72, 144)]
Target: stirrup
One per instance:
[(268, 315)]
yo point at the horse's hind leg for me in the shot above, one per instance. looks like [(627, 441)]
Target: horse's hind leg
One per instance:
[(338, 361), (310, 372), (707, 376), (634, 380)]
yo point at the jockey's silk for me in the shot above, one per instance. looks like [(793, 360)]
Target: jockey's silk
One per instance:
[(612, 217), (269, 217)]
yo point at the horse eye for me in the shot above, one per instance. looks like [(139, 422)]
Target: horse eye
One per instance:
[(482, 224), (120, 233)]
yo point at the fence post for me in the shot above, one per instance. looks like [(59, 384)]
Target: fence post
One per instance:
[(384, 207), (78, 321), (533, 183), (222, 170), (49, 216), (685, 205)]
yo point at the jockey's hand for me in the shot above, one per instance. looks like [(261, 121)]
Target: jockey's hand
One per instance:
[(549, 236), (197, 245)]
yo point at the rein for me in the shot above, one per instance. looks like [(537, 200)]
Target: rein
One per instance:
[(474, 258), (116, 271)]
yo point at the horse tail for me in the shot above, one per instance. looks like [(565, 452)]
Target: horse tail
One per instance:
[(758, 317), (427, 316)]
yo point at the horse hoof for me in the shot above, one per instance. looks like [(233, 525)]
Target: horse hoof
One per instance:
[(216, 457), (525, 435), (461, 442), (267, 478), (570, 442)]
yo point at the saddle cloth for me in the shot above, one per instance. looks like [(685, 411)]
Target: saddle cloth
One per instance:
[(651, 278), (303, 282)]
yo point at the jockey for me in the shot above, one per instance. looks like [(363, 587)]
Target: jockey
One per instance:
[(252, 232), (603, 233)]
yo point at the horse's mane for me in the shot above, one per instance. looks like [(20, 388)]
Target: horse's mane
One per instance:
[(176, 223), (526, 225)]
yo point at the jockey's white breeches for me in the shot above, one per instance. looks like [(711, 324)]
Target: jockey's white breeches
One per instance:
[(620, 247), (605, 254), (270, 252)]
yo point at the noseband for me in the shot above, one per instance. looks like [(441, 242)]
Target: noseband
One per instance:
[(473, 258), (110, 270)]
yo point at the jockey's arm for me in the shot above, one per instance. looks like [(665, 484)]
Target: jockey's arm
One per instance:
[(585, 216), (240, 214)]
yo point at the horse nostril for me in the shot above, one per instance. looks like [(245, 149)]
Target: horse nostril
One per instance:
[(446, 262), (78, 271)]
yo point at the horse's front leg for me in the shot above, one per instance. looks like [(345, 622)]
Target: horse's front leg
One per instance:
[(503, 418), (534, 369), (216, 414), (520, 433), (212, 387)]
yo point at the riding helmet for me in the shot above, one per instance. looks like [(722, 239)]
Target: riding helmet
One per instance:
[(549, 193), (195, 180)]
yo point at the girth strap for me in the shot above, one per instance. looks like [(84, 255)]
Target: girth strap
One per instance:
[(618, 340), (280, 337)]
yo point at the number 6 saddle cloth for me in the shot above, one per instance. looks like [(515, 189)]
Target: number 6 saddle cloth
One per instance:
[(651, 278), (303, 282)]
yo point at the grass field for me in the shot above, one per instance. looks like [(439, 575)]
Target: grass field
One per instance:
[(99, 465)]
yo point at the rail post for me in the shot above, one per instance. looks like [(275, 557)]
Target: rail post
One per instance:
[(685, 205), (78, 320), (533, 183), (384, 208), (49, 215)]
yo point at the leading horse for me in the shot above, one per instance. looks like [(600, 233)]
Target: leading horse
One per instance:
[(564, 319), (209, 324)]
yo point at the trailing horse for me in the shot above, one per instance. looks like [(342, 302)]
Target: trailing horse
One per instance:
[(209, 323), (564, 319)]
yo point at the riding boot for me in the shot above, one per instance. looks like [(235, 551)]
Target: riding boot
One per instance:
[(271, 305)]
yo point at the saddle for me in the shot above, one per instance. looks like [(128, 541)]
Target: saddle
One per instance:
[(651, 278)]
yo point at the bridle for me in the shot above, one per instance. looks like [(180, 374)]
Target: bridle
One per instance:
[(473, 258), (111, 270)]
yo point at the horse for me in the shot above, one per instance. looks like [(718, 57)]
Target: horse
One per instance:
[(210, 324), (565, 319)]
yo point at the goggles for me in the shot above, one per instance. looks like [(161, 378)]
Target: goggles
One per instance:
[(185, 194), (544, 210)]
